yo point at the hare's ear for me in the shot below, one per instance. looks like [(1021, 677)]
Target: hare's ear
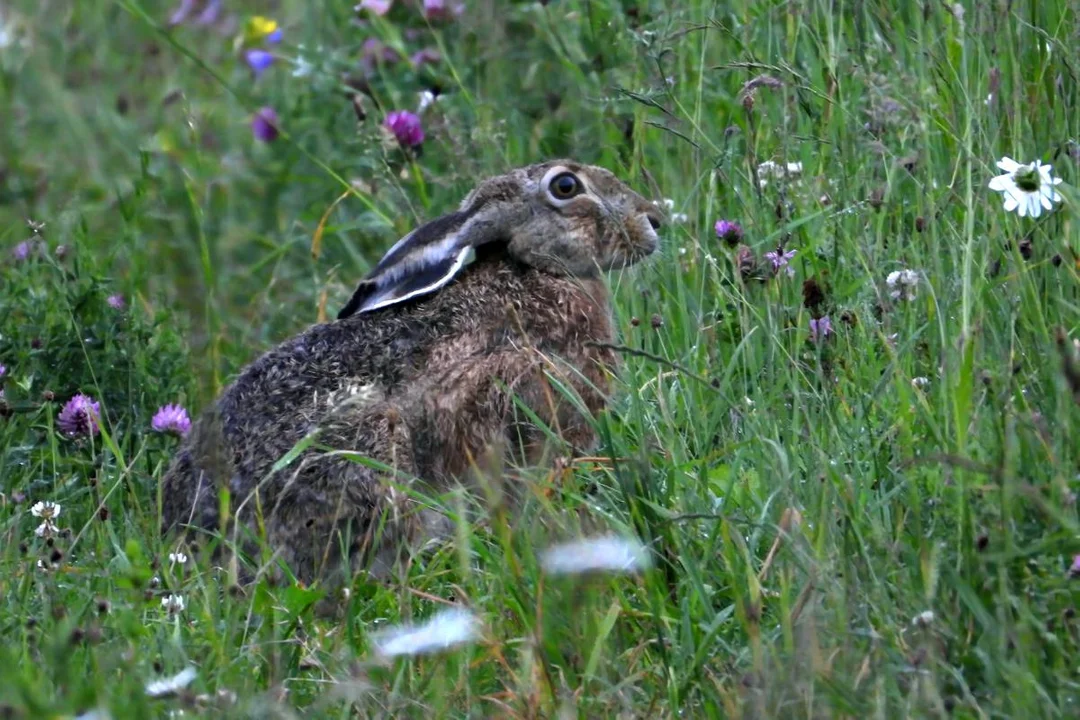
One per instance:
[(425, 259)]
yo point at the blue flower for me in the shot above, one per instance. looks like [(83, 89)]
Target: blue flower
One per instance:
[(259, 60)]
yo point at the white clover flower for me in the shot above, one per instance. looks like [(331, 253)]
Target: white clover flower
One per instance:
[(442, 631), (1027, 189), (920, 382), (923, 619), (167, 687), (178, 558), (173, 604), (903, 284), (601, 554), (46, 510)]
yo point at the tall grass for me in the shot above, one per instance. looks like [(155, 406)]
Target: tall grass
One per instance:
[(833, 536)]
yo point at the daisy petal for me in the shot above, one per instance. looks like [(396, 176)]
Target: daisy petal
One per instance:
[(1001, 183), (1010, 203), (1008, 164)]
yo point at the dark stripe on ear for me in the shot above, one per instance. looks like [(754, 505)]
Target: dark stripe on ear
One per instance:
[(430, 232), (421, 282), (363, 291)]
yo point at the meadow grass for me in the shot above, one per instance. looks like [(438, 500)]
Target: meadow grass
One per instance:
[(876, 523)]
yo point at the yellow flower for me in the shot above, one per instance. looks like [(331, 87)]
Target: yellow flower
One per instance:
[(257, 28)]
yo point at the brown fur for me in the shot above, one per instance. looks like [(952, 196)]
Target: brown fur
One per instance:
[(426, 388)]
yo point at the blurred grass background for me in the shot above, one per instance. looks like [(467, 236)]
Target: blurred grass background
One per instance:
[(805, 501)]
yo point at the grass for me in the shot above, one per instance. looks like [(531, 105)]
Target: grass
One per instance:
[(805, 502)]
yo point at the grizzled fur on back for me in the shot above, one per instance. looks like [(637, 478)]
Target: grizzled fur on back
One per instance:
[(448, 366), (421, 373)]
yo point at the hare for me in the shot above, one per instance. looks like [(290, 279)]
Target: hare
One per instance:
[(325, 441)]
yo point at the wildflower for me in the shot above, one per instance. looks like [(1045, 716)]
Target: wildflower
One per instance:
[(173, 604), (3, 370), (79, 416), (780, 259), (1027, 189), (259, 28), (171, 419), (923, 619), (180, 14), (167, 687), (264, 126), (21, 251), (729, 231), (771, 170), (426, 56), (406, 128), (373, 50), (178, 558), (258, 60), (600, 554), (903, 284), (820, 328), (1074, 570), (35, 226), (116, 302), (920, 382), (427, 99), (378, 7), (47, 510), (302, 67), (210, 13), (47, 529), (444, 630), (441, 9), (275, 37)]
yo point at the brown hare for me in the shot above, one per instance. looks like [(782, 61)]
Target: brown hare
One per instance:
[(424, 372)]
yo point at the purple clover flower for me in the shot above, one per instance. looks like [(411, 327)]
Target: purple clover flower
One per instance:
[(171, 419), (79, 416), (1074, 570), (729, 231), (780, 259), (406, 128), (820, 328), (264, 126), (21, 251), (426, 56), (116, 302), (379, 7), (441, 9), (258, 60)]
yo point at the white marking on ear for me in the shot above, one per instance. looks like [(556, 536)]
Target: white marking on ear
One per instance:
[(384, 298)]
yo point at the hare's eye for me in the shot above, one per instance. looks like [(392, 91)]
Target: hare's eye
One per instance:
[(565, 186)]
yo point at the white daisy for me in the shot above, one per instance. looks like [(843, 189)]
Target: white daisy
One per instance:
[(444, 630), (602, 554), (46, 510), (1027, 189), (177, 558)]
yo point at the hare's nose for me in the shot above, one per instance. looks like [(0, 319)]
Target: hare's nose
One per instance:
[(654, 220)]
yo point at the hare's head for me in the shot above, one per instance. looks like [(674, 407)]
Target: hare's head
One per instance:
[(560, 217)]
